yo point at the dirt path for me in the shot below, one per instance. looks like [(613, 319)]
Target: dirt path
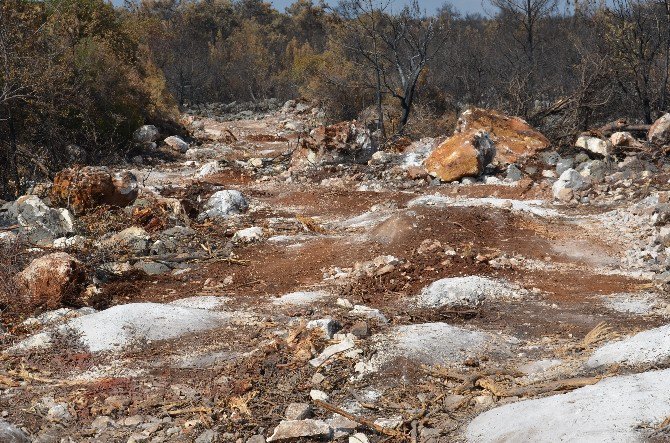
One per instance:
[(360, 260)]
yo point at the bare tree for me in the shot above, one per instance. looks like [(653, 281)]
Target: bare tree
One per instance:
[(396, 47), (635, 39), (412, 42), (362, 19), (528, 14)]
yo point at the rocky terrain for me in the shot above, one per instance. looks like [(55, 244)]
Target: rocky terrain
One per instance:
[(275, 279)]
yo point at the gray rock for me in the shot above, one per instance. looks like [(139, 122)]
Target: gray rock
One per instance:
[(256, 439), (102, 422), (298, 411), (134, 239), (223, 204), (207, 169), (146, 134), (341, 426), (152, 267), (290, 429), (177, 144), (514, 174), (569, 180), (8, 215), (360, 329), (11, 434), (581, 158), (596, 169), (207, 436), (465, 291), (550, 158), (564, 164), (659, 133), (249, 235), (40, 223)]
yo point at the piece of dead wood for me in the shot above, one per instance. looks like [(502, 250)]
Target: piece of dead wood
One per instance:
[(10, 228), (311, 224), (469, 381), (174, 258), (196, 410), (568, 384), (361, 421), (622, 126)]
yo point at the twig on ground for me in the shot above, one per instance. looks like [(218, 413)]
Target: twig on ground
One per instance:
[(362, 421)]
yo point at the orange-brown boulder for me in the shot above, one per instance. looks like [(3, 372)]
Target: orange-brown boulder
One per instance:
[(463, 155), (85, 188), (51, 281), (513, 137)]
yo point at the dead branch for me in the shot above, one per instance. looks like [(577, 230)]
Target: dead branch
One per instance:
[(533, 390), (362, 421), (621, 126)]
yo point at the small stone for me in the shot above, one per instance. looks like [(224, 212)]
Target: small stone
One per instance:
[(317, 378), (290, 429), (389, 423), (328, 326), (116, 403), (564, 164), (59, 413), (256, 162), (514, 174), (102, 422), (256, 439), (134, 420), (207, 436), (315, 394), (249, 235), (341, 426), (177, 144), (564, 195), (359, 438), (298, 411), (173, 431), (343, 302), (360, 329), (365, 311)]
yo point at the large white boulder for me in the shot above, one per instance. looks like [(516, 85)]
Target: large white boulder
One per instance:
[(123, 326), (615, 410), (465, 291), (652, 346)]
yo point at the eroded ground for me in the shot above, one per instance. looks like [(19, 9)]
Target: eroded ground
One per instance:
[(219, 347)]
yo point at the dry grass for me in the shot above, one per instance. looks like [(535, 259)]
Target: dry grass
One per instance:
[(14, 257)]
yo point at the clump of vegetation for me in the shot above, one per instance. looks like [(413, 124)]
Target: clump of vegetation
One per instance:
[(76, 79)]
